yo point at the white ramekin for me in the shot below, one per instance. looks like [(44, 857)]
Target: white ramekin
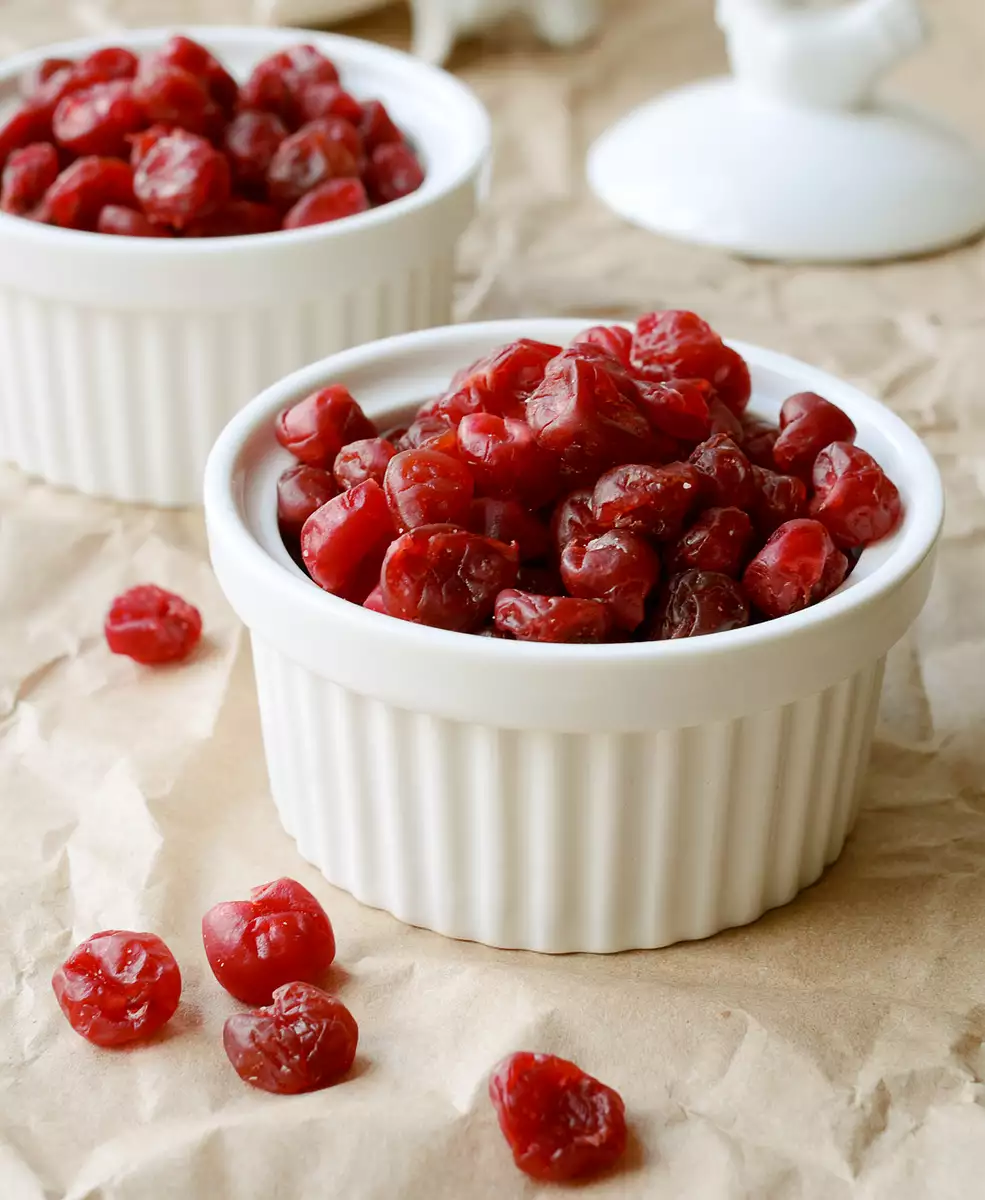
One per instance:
[(561, 798), (121, 359)]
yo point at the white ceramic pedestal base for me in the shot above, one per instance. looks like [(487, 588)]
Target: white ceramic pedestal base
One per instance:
[(719, 164)]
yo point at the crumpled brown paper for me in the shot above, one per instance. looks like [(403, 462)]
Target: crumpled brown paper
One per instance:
[(832, 1050)]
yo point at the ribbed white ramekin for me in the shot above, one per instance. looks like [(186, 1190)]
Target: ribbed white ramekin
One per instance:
[(560, 798), (121, 359)]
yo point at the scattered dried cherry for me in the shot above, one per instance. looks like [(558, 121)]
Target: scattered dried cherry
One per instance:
[(344, 541), (686, 347), (443, 576), (508, 521), (701, 602), (854, 498), (170, 95), (127, 222), (798, 566), (302, 490), (678, 409), (305, 1040), (506, 460), (317, 427), (364, 459), (26, 177), (118, 987), (181, 178), (559, 1122), (779, 498), (393, 171), (281, 934), (654, 501), (618, 567), (426, 487), (808, 423), (726, 474), (430, 433), (97, 121), (546, 618), (152, 626), (616, 340), (720, 540), (330, 202)]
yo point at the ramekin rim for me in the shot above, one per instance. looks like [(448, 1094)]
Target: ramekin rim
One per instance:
[(226, 523)]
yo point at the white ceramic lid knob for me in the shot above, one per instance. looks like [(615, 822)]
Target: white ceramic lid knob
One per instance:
[(793, 157)]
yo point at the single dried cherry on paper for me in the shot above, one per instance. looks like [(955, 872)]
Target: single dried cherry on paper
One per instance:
[(118, 987), (329, 100), (344, 541), (446, 577), (152, 626), (26, 177), (302, 490), (530, 617), (808, 423), (616, 340), (618, 567), (701, 602), (127, 222), (720, 540), (779, 498), (330, 202), (573, 519), (281, 934), (317, 427), (559, 1122), (506, 460), (305, 160), (181, 178), (654, 501), (304, 1041), (798, 566), (393, 171), (170, 95), (726, 474), (376, 127), (236, 218), (854, 498), (507, 521), (191, 56), (365, 459), (686, 347), (426, 487), (97, 121)]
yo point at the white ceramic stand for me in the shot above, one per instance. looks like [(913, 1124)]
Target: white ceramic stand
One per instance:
[(790, 158)]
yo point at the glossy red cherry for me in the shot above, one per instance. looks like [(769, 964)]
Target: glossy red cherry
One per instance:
[(507, 521), (798, 566), (83, 190), (506, 461), (393, 171), (26, 177), (182, 177), (808, 423), (426, 487), (98, 120), (618, 567), (330, 202), (344, 541), (654, 501), (152, 626), (720, 540), (854, 498), (367, 458), (686, 347), (317, 427), (301, 491), (699, 603)]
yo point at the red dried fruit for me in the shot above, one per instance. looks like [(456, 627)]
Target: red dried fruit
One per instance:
[(542, 581), (726, 474), (616, 340), (317, 427), (426, 487), (798, 566), (277, 83), (152, 626), (306, 1040), (301, 490), (393, 171), (654, 501), (701, 602), (26, 125), (498, 383), (546, 618), (618, 567), (723, 420), (678, 409), (376, 127), (337, 129), (854, 498), (365, 459), (808, 423), (757, 439), (375, 602), (83, 190), (26, 177), (34, 78), (107, 64), (236, 218), (779, 498), (98, 120), (190, 56), (344, 541), (144, 141), (281, 934), (126, 222), (329, 100), (305, 160), (431, 433), (508, 521), (574, 519), (578, 413), (559, 1122), (506, 460), (686, 347), (331, 202), (445, 577), (181, 179), (719, 540), (172, 96), (118, 987)]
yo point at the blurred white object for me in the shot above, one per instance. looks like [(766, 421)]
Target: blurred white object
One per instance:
[(792, 157), (438, 24), (317, 12)]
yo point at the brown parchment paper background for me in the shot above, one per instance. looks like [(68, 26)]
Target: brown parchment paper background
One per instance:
[(832, 1050)]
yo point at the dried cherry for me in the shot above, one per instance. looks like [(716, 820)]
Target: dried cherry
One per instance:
[(853, 497), (304, 1041), (726, 474), (29, 124), (127, 222), (363, 459), (779, 498), (808, 423), (426, 487), (188, 55), (98, 120), (720, 540), (118, 987), (678, 409), (559, 1122), (236, 218), (618, 567), (305, 160), (26, 177), (344, 541), (798, 566), (83, 190), (546, 618), (654, 501), (317, 427), (170, 95), (393, 171), (430, 433), (574, 519), (152, 626), (281, 934), (701, 602), (302, 490), (508, 521), (277, 82), (329, 100), (376, 127), (757, 439), (506, 460), (330, 202), (616, 340), (686, 347), (181, 178)]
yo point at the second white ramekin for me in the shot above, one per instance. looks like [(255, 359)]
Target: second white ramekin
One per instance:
[(561, 798), (122, 358)]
